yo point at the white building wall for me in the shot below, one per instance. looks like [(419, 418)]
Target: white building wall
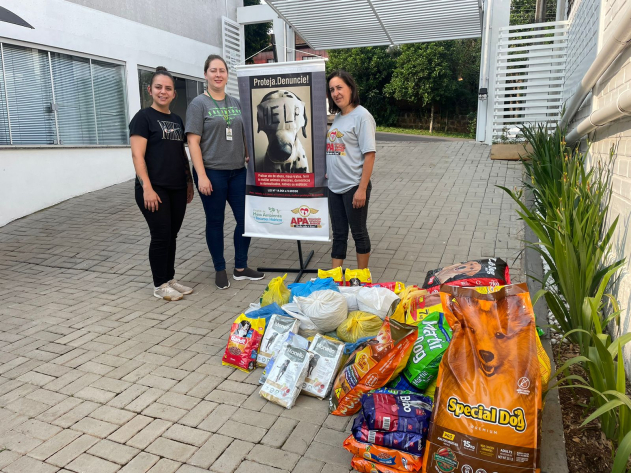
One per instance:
[(582, 46), (74, 28), (618, 134)]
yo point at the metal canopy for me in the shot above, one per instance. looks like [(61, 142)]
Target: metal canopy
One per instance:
[(335, 24), (10, 17)]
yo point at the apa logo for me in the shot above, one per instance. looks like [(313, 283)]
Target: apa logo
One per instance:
[(305, 211), (334, 134)]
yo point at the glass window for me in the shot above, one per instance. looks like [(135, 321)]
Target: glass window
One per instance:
[(186, 89), (49, 98)]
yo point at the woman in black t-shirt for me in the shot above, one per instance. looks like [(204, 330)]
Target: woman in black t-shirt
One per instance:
[(163, 181)]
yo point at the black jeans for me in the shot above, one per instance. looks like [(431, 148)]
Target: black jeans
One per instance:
[(344, 215), (164, 225)]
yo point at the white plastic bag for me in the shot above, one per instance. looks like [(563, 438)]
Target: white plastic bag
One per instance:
[(350, 292), (377, 300), (327, 309), (307, 328)]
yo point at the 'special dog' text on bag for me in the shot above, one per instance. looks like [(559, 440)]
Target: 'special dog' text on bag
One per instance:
[(488, 398)]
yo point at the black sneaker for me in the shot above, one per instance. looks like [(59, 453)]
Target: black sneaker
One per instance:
[(248, 273), (221, 280)]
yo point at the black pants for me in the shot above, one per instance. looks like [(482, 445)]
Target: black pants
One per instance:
[(344, 215), (164, 224)]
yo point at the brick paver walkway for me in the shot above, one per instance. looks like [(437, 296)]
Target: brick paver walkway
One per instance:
[(97, 375)]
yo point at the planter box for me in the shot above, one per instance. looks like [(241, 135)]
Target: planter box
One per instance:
[(509, 152)]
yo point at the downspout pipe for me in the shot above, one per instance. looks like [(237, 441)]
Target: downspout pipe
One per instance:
[(601, 117), (616, 43)]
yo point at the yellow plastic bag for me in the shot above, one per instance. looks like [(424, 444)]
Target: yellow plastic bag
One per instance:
[(362, 276), (335, 273), (358, 325), (276, 291)]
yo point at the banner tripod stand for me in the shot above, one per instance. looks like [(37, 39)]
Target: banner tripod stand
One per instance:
[(303, 265)]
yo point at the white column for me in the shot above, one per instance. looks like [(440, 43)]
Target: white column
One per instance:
[(280, 33)]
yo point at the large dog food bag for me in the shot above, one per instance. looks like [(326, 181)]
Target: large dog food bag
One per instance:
[(273, 337), (433, 339), (482, 272), (415, 305), (327, 357), (372, 365), (488, 398), (388, 457), (404, 441), (397, 412), (291, 338), (335, 273), (285, 379), (357, 277), (243, 344)]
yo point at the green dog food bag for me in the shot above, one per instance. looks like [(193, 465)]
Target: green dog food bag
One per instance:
[(434, 336)]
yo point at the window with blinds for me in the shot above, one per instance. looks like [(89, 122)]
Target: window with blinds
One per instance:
[(50, 98), (186, 89)]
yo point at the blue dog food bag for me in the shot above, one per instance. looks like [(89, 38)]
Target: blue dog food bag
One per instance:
[(397, 412)]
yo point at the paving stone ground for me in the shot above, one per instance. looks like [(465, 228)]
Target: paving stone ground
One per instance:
[(97, 375)]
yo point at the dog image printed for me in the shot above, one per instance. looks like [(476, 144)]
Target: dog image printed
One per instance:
[(282, 116)]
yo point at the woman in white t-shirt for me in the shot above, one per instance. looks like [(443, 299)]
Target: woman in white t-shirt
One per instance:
[(350, 157)]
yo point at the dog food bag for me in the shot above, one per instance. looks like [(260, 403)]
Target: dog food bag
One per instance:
[(377, 300), (401, 383), (366, 466), (482, 272), (357, 277), (397, 459), (396, 286), (243, 344), (288, 337), (397, 412), (431, 389), (434, 336), (276, 291), (273, 337), (285, 379), (488, 398), (358, 325), (327, 357), (404, 441), (372, 365), (350, 292), (327, 309), (335, 273), (416, 304)]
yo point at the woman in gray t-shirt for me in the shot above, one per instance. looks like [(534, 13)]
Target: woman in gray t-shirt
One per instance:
[(215, 137), (350, 157)]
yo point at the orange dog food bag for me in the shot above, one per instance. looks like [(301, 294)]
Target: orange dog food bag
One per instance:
[(488, 398), (372, 365), (386, 456)]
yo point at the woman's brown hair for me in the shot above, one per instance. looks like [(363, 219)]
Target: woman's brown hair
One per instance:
[(349, 81), (211, 58)]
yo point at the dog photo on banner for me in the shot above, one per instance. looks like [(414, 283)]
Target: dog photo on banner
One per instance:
[(284, 111)]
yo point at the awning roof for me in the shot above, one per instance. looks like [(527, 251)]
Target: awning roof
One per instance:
[(334, 24)]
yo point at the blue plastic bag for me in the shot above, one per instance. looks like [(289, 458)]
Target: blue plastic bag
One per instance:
[(266, 312), (301, 289)]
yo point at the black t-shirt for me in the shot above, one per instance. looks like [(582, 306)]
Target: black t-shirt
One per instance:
[(165, 147)]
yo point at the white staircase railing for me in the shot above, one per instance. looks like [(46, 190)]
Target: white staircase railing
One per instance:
[(530, 73)]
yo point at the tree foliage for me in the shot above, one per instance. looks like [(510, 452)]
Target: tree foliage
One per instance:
[(522, 12), (372, 69), (256, 35)]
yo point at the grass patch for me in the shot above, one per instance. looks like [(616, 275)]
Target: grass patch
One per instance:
[(411, 131)]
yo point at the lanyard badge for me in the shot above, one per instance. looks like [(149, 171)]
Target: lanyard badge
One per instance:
[(226, 116)]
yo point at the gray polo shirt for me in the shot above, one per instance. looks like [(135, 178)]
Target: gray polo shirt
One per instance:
[(351, 136), (203, 118)]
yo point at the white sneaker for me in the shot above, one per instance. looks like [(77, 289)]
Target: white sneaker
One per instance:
[(167, 293), (173, 284)]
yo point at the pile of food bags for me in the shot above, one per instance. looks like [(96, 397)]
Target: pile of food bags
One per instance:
[(425, 367)]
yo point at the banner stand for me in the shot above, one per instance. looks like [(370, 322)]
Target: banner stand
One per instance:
[(303, 266)]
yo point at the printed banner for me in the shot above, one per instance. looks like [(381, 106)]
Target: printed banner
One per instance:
[(283, 106)]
